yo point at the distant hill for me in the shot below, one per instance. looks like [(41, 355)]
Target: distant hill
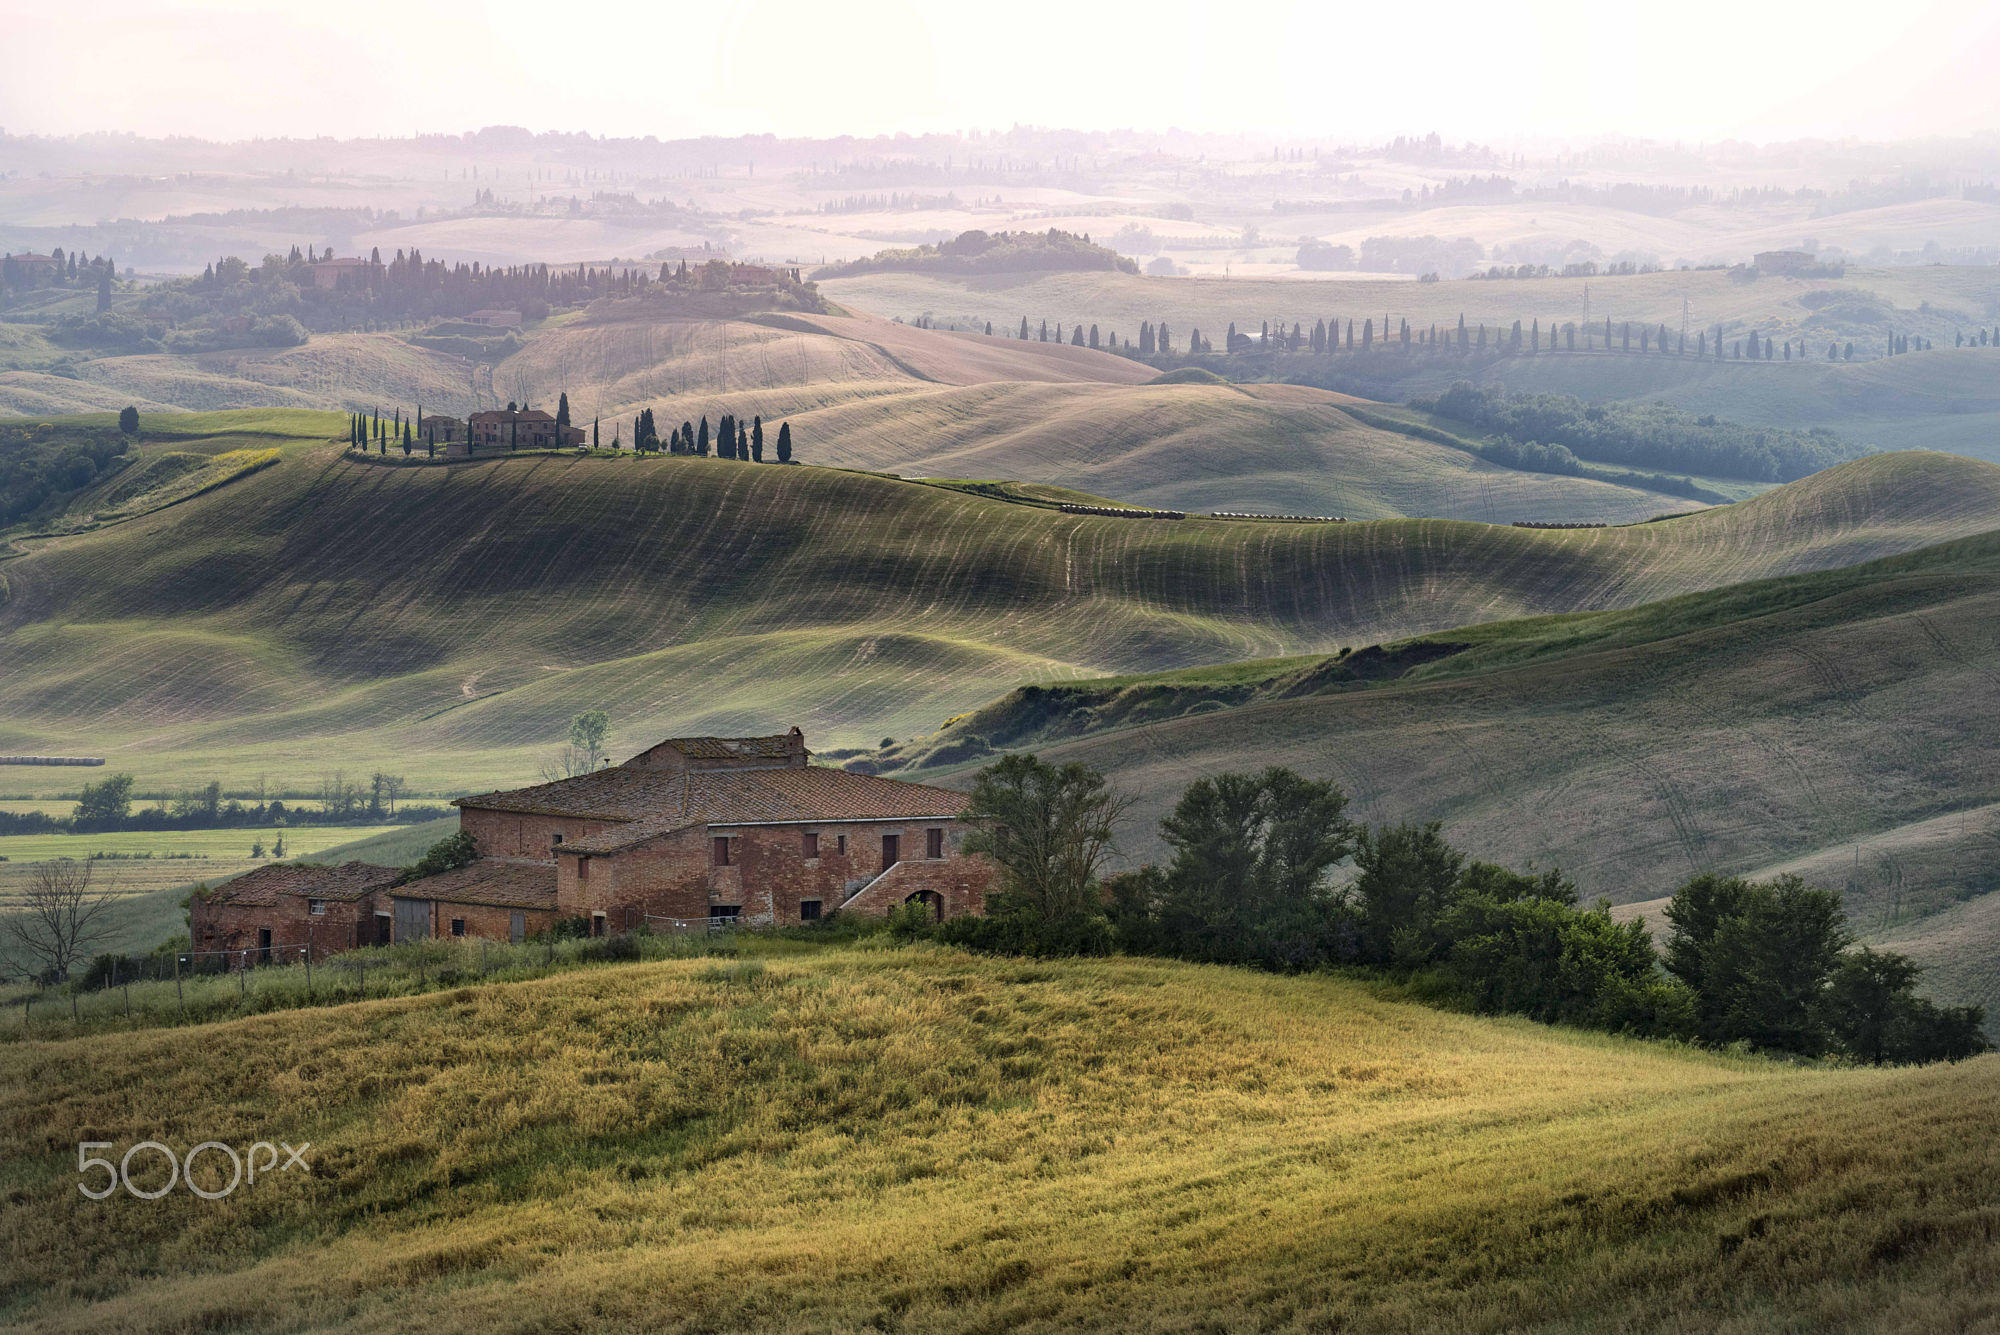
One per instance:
[(980, 253), (323, 613)]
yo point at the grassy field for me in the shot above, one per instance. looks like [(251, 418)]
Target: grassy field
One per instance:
[(917, 1139), (451, 620)]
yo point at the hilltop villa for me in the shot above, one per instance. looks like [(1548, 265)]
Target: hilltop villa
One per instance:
[(512, 428), (690, 831)]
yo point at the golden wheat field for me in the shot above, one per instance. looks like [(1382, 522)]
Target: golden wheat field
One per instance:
[(871, 1137)]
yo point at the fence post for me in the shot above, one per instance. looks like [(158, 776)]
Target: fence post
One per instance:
[(178, 996), (309, 965), (243, 977), (127, 987), (74, 1017), (363, 966)]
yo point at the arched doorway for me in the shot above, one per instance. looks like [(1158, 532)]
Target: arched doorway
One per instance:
[(932, 901)]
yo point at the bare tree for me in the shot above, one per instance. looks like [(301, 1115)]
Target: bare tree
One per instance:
[(63, 916), (392, 788)]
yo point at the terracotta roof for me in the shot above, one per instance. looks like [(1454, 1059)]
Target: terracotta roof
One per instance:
[(501, 882), (621, 793), (502, 415), (730, 748), (261, 887), (345, 262)]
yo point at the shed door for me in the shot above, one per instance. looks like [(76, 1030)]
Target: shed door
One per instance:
[(413, 919), (517, 927)]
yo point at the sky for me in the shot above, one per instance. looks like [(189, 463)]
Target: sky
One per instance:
[(1692, 70)]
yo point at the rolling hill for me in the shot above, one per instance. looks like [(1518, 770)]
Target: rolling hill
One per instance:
[(871, 393), (1836, 725), (826, 1138), (323, 612), (1862, 305)]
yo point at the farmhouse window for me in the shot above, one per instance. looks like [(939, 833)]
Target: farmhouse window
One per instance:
[(811, 845), (583, 869), (556, 839), (726, 912), (458, 927), (316, 907), (722, 850), (808, 910), (933, 843), (840, 844), (892, 850), (597, 924)]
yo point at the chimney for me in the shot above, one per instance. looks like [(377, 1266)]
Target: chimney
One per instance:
[(796, 748)]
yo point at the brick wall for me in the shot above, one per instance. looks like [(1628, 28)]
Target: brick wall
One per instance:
[(491, 921), (509, 834), (769, 877), (347, 923)]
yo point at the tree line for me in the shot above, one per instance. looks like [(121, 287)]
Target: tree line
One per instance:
[(1250, 880), (109, 805), (1645, 435), (732, 438)]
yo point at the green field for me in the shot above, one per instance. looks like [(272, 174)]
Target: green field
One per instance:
[(449, 621), (133, 862), (918, 1139)]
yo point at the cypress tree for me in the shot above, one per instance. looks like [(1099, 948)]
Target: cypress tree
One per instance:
[(742, 442), (701, 440), (784, 442), (757, 437)]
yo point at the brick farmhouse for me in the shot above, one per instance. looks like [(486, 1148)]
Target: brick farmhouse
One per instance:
[(688, 832)]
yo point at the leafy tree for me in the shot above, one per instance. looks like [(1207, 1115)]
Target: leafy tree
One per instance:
[(1049, 829), (1408, 879), (104, 804), (1247, 880), (128, 420), (1757, 956)]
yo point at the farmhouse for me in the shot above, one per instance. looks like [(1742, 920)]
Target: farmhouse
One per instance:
[(1783, 261), (495, 319), (330, 273), (512, 428), (691, 831), (440, 429)]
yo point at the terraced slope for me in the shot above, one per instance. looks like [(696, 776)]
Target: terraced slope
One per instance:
[(908, 1138), (325, 612)]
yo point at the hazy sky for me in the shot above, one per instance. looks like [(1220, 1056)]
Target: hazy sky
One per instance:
[(1694, 69)]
